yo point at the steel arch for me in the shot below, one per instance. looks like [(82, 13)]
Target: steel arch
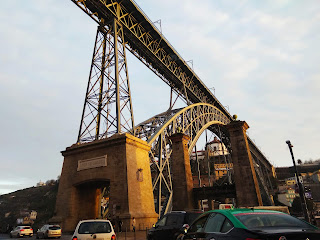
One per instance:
[(192, 121)]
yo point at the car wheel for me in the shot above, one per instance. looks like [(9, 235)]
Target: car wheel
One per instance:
[(10, 235), (37, 237)]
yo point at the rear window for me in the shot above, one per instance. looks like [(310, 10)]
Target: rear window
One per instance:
[(174, 219), (94, 227), (26, 227), (54, 227), (265, 219), (190, 217)]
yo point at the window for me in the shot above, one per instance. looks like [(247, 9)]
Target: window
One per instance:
[(190, 217), (94, 227), (227, 226), (261, 220), (215, 222), (198, 225), (174, 219), (161, 222), (55, 227)]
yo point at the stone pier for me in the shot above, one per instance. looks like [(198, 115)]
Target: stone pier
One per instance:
[(182, 182), (247, 186), (122, 162)]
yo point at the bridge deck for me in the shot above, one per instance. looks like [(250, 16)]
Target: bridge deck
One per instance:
[(146, 42)]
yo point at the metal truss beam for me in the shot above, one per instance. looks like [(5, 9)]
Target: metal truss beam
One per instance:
[(107, 106), (148, 44), (132, 29), (192, 121)]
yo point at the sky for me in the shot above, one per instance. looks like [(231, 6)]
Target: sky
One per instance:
[(260, 58)]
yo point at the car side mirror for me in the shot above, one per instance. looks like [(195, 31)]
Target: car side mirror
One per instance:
[(185, 226)]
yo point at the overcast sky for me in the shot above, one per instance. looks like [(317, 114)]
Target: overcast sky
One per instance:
[(261, 57)]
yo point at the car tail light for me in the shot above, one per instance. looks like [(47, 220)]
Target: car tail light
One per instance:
[(75, 238), (113, 237), (31, 229), (21, 230)]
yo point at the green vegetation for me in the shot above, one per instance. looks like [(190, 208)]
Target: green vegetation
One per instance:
[(40, 199)]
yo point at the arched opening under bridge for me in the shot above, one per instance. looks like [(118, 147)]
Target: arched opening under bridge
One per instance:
[(192, 120)]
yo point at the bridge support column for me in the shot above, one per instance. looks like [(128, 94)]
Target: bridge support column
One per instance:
[(182, 182), (246, 182), (121, 161)]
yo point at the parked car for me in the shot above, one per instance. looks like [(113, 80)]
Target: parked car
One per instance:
[(21, 231), (49, 231), (94, 229), (249, 224), (172, 224)]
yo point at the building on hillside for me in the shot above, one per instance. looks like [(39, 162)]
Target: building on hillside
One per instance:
[(210, 165), (216, 148), (287, 196), (33, 215), (40, 184), (26, 217), (310, 179), (292, 181)]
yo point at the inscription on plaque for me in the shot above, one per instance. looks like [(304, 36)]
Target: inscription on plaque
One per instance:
[(92, 163)]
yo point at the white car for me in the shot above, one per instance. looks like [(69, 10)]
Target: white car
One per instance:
[(49, 231), (94, 229), (21, 231)]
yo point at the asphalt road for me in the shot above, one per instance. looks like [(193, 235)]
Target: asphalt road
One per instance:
[(139, 235)]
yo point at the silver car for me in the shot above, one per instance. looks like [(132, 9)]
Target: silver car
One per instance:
[(94, 229), (49, 231), (21, 231)]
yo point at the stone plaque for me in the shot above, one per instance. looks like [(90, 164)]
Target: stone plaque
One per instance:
[(92, 163)]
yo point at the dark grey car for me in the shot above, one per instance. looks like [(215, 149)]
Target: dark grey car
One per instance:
[(172, 224)]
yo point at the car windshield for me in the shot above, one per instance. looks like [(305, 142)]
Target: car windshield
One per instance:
[(257, 220), (94, 227), (54, 228)]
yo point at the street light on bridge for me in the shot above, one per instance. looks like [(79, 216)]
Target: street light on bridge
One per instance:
[(301, 192)]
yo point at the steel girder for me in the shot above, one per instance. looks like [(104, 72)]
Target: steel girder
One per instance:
[(107, 106), (148, 44), (192, 121), (145, 41)]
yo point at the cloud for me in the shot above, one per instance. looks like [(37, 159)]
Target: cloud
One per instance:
[(261, 58)]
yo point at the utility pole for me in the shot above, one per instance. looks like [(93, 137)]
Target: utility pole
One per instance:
[(300, 187)]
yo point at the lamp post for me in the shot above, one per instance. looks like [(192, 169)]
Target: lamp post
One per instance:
[(301, 192)]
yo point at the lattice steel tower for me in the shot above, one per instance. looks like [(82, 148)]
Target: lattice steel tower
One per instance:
[(107, 107)]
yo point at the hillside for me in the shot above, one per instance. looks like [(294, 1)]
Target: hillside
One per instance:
[(41, 199)]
